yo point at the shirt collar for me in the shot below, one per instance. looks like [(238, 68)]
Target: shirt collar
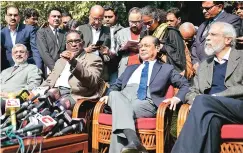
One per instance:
[(96, 29), (217, 16), (225, 58), (151, 62), (53, 29), (15, 29)]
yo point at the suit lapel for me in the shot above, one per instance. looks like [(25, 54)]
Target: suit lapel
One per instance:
[(155, 70), (19, 33), (129, 73), (202, 38), (51, 34), (209, 71), (89, 34), (60, 38), (19, 69), (8, 37), (232, 63)]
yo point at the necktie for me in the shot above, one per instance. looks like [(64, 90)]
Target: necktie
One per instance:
[(56, 35), (142, 90), (15, 68)]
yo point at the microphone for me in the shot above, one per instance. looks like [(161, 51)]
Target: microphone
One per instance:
[(78, 125), (61, 108), (3, 117), (51, 96), (55, 128), (11, 106), (27, 103), (22, 115), (44, 123), (23, 95)]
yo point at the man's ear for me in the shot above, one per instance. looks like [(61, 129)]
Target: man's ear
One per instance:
[(228, 40), (179, 20)]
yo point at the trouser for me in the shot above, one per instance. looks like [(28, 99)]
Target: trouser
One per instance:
[(126, 107), (202, 129)]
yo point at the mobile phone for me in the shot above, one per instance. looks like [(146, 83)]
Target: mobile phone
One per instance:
[(99, 43)]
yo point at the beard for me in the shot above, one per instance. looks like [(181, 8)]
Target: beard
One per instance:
[(212, 50)]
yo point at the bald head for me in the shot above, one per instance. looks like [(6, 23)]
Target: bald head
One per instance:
[(187, 30), (97, 9), (96, 16)]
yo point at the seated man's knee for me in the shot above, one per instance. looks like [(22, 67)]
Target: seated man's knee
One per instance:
[(113, 95)]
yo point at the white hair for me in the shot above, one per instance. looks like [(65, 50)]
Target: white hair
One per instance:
[(19, 45), (228, 31)]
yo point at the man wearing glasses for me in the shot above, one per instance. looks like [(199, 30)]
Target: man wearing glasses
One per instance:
[(77, 73), (97, 37), (213, 11), (129, 53)]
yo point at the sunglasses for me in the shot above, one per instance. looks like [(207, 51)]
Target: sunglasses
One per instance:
[(207, 8), (149, 22)]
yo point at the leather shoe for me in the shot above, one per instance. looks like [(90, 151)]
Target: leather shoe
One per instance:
[(133, 148)]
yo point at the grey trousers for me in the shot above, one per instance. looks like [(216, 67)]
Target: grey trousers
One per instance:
[(126, 107)]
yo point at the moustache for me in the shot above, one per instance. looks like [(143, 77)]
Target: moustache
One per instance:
[(13, 20)]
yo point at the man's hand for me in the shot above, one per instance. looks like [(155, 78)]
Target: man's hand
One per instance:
[(123, 46), (240, 40), (91, 48), (4, 94), (195, 66), (173, 102), (68, 55), (104, 99), (104, 50)]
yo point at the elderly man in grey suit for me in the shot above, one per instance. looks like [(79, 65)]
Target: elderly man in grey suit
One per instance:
[(138, 92), (20, 76), (217, 93), (124, 35)]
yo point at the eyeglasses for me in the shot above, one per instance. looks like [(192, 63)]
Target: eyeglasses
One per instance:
[(149, 23), (97, 19), (207, 8), (134, 22), (76, 41)]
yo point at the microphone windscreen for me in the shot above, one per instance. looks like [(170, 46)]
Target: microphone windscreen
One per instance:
[(65, 102), (54, 94)]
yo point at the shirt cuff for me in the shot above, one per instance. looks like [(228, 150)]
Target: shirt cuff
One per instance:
[(177, 98)]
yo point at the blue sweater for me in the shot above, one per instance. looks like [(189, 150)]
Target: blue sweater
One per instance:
[(218, 78)]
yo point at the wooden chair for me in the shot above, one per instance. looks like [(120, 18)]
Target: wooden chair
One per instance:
[(150, 130), (231, 134)]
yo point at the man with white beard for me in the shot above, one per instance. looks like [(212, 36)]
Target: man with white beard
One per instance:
[(216, 95)]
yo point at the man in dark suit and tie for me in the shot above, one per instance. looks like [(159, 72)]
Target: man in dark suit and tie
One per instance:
[(216, 95), (50, 40), (94, 32), (138, 92), (213, 11), (15, 33)]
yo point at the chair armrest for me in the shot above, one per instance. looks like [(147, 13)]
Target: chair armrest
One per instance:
[(79, 104), (161, 112), (99, 108), (182, 116), (163, 118)]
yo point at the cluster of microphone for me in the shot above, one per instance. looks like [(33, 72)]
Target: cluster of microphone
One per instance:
[(45, 115)]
